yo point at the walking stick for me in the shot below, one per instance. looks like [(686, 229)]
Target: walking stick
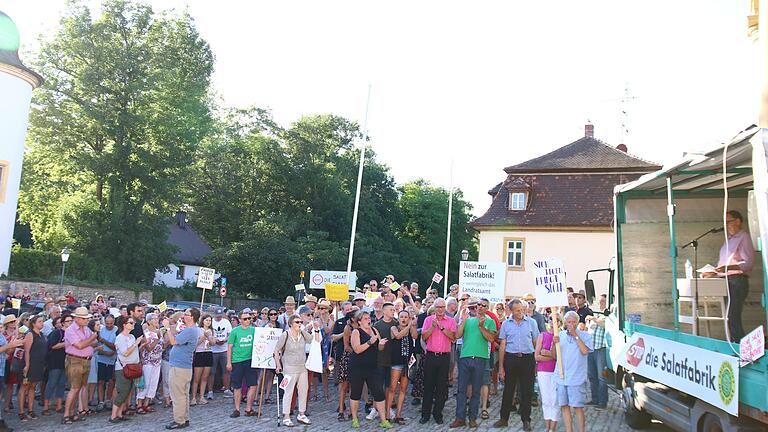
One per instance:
[(556, 329), (277, 392)]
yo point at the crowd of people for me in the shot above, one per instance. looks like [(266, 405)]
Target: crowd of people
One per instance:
[(377, 350)]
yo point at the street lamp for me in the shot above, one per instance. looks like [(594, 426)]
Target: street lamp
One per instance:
[(64, 259), (464, 255)]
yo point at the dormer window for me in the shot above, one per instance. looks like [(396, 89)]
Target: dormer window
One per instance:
[(517, 200)]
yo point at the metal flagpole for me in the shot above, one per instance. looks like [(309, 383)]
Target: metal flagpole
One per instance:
[(448, 234), (357, 192)]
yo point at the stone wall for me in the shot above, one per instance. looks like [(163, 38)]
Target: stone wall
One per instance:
[(79, 292)]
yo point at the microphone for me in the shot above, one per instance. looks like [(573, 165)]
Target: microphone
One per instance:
[(716, 230)]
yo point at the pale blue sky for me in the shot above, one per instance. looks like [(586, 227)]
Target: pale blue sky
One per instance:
[(490, 84)]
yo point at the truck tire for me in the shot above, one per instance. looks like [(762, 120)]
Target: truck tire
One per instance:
[(711, 423), (634, 417)]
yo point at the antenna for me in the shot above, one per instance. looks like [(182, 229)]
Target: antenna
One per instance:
[(625, 112)]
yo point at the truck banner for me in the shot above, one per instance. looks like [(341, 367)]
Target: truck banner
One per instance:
[(707, 375)]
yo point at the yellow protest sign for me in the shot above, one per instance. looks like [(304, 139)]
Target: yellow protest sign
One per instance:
[(16, 303), (394, 286), (370, 296), (162, 306), (336, 292)]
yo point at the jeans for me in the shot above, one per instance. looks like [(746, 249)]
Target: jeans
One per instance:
[(435, 384), (471, 370), (518, 370), (738, 288), (595, 367), (57, 380)]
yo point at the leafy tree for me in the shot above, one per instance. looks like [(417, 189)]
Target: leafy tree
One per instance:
[(113, 132)]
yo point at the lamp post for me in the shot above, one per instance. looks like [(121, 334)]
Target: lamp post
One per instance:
[(464, 255), (64, 259)]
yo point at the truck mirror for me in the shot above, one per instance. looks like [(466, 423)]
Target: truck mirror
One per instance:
[(589, 287)]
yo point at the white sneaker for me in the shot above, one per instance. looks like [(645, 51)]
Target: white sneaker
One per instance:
[(228, 393), (392, 413), (210, 395), (302, 418), (373, 414)]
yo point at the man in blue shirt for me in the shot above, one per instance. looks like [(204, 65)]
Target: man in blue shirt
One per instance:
[(183, 344), (105, 359), (517, 363), (575, 346)]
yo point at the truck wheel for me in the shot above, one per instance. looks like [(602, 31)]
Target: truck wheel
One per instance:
[(711, 424), (634, 417)]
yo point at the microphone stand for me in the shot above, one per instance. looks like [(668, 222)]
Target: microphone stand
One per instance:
[(695, 244)]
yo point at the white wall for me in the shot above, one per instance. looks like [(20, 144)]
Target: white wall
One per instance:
[(169, 278), (15, 96), (580, 251)]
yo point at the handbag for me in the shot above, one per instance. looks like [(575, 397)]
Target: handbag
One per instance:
[(131, 371), (315, 359)]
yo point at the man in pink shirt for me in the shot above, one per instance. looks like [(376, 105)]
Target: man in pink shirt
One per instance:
[(439, 331), (78, 344), (737, 256)]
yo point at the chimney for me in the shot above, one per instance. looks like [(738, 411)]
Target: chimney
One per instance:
[(181, 219), (589, 130), (622, 147)]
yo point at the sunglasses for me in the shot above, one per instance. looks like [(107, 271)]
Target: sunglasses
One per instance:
[(245, 318), (298, 322), (471, 307), (322, 308), (131, 322), (483, 305), (273, 314)]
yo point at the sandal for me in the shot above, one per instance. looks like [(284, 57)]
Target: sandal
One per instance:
[(250, 413), (484, 415), (67, 420), (149, 409), (341, 417), (400, 421), (114, 420), (288, 423), (32, 415), (141, 411), (46, 412), (22, 417)]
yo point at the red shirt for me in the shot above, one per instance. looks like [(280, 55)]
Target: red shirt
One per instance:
[(498, 326)]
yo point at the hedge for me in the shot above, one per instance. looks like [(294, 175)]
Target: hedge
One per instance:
[(35, 263)]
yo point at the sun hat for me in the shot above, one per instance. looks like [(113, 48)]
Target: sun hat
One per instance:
[(290, 300), (81, 312)]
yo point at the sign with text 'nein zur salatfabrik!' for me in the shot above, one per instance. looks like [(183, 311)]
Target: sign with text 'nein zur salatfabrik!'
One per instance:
[(549, 283), (483, 279)]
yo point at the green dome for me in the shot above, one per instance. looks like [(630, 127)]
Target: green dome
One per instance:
[(9, 34)]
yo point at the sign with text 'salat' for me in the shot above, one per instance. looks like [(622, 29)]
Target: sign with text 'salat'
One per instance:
[(483, 279)]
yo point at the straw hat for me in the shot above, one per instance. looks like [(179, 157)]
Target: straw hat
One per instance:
[(9, 319), (310, 298), (290, 300), (528, 297), (81, 312)]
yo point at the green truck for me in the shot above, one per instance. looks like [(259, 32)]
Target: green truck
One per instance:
[(672, 360)]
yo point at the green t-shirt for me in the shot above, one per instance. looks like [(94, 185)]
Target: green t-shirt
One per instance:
[(475, 345), (241, 340)]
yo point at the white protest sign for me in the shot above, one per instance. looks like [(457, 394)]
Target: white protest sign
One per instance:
[(706, 375), (437, 278), (484, 279), (264, 343), (205, 278), (318, 278), (752, 346), (549, 283)]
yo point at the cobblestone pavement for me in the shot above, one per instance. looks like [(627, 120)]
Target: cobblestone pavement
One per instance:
[(215, 416)]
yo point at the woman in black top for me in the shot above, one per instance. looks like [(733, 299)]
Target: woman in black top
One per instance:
[(54, 362), (35, 350), (363, 368), (402, 347)]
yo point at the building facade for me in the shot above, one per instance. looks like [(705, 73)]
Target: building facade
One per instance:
[(191, 251), (16, 85), (557, 205)]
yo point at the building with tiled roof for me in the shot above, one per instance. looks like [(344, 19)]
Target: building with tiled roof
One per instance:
[(557, 205), (191, 250)]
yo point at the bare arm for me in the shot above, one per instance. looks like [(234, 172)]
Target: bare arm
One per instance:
[(27, 348)]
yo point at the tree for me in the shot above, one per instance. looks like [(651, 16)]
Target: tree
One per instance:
[(113, 131)]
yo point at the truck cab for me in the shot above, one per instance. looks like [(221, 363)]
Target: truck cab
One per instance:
[(669, 344)]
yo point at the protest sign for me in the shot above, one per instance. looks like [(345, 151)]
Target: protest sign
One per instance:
[(264, 343), (299, 287), (483, 279), (752, 346), (162, 306), (394, 286), (370, 296), (318, 278), (336, 292), (437, 278), (205, 278), (549, 283), (16, 303)]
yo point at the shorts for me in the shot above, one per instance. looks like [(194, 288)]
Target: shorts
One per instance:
[(487, 371), (219, 361), (573, 395), (397, 367), (369, 376), (202, 359), (123, 387), (106, 372), (242, 370), (77, 371)]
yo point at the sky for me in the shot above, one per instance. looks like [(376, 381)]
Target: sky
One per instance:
[(485, 84)]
